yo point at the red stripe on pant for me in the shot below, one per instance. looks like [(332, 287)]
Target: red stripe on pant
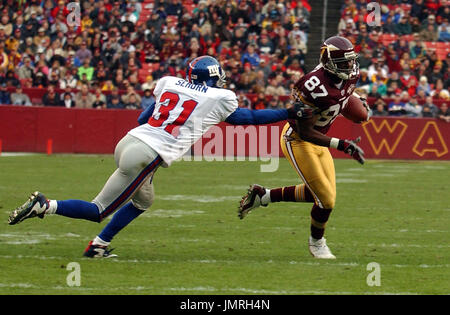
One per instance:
[(130, 189)]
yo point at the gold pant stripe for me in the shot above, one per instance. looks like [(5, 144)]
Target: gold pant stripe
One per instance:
[(294, 162), (314, 165)]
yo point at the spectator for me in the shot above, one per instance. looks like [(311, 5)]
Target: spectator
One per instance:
[(429, 34), (130, 91), (51, 98), (430, 20), (26, 71), (84, 98), (5, 96), (99, 99), (115, 102), (275, 103), (412, 108), (427, 111), (417, 47), (148, 84), (393, 89), (86, 69), (250, 56), (69, 80), (444, 113), (364, 80), (396, 107), (247, 78), (67, 100), (20, 98), (297, 38), (83, 52), (444, 31), (243, 100), (260, 102), (148, 99), (431, 107), (365, 58), (275, 86), (389, 27), (423, 85), (406, 78), (403, 27), (132, 102), (379, 108), (436, 75)]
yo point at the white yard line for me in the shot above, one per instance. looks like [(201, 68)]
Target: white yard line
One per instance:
[(196, 289), (224, 261)]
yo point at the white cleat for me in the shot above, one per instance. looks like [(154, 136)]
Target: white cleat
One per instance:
[(319, 249)]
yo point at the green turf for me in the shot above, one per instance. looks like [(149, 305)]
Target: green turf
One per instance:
[(191, 242)]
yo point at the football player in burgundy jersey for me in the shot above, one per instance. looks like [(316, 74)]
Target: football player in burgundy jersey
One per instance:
[(326, 89)]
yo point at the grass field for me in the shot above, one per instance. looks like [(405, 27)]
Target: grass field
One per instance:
[(396, 214)]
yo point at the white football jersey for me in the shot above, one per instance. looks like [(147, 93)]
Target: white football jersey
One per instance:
[(183, 113)]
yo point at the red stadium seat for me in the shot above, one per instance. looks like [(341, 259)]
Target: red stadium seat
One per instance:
[(431, 45), (405, 7), (155, 66), (386, 39), (441, 53), (146, 66), (441, 45), (408, 38)]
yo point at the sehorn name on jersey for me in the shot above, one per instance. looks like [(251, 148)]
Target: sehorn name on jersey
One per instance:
[(192, 86)]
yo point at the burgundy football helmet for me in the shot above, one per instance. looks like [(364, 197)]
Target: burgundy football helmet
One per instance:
[(338, 56)]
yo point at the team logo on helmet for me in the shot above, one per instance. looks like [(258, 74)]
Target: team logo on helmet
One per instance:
[(205, 70)]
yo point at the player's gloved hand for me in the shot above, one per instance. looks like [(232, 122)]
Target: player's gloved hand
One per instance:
[(299, 110), (351, 148)]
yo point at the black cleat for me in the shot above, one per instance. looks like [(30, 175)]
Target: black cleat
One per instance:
[(251, 200), (98, 251), (35, 206)]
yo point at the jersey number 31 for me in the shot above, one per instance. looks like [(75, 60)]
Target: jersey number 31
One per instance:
[(168, 103)]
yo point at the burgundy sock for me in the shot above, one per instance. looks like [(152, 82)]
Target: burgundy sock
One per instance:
[(291, 194), (319, 218)]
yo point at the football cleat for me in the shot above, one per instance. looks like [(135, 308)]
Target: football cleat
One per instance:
[(251, 200), (319, 249), (36, 205), (98, 251)]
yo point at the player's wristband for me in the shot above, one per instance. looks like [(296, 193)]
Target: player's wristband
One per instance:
[(334, 143)]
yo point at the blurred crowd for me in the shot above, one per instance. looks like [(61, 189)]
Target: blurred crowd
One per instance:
[(109, 54), (112, 55), (405, 57)]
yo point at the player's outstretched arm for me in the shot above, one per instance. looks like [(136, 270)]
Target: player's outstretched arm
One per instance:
[(146, 114), (244, 116)]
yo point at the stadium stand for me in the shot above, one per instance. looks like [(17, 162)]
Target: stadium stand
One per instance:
[(127, 45)]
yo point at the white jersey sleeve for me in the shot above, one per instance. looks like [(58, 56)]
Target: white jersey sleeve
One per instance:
[(183, 113)]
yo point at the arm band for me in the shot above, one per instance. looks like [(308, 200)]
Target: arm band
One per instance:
[(334, 143)]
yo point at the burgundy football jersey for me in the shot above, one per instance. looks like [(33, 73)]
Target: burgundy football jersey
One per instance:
[(318, 89)]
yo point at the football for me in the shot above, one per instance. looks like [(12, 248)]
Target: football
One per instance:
[(354, 110)]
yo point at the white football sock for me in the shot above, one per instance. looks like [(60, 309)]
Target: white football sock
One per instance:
[(52, 206), (266, 198), (98, 241)]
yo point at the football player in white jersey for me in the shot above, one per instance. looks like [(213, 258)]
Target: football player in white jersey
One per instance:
[(183, 111)]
